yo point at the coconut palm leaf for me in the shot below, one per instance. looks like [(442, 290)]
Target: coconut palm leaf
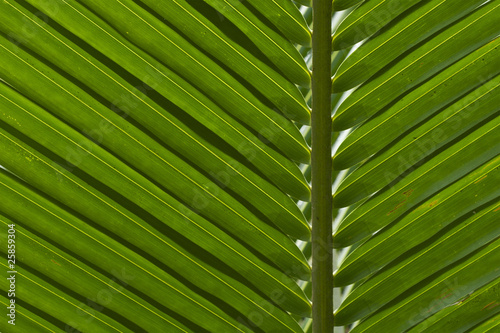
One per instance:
[(156, 165), (424, 162)]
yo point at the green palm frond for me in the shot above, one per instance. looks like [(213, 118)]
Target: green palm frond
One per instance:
[(156, 164), (423, 161)]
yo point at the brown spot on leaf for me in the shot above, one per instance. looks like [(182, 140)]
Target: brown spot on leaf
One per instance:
[(481, 179), (491, 306), (407, 195)]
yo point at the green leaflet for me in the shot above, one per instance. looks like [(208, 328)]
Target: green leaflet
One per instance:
[(152, 160), (72, 233), (367, 19), (113, 293), (163, 122), (155, 239), (162, 42), (122, 174), (425, 101), (63, 307), (304, 2), (215, 40), (139, 150), (396, 39), (431, 136), (440, 291), (423, 61), (339, 5), (172, 87), (436, 173), (421, 163), (367, 258), (81, 152), (276, 47), (27, 321), (475, 309), (489, 326), (287, 18), (446, 248)]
